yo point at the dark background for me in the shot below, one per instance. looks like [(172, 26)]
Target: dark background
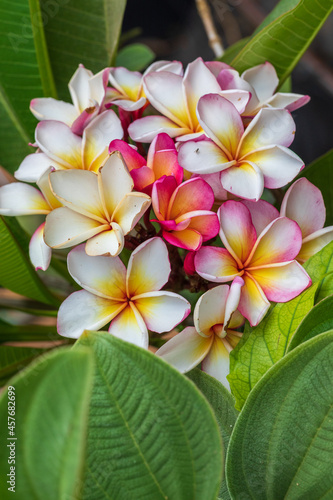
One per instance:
[(173, 30)]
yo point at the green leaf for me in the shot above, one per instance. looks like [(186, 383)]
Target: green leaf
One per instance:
[(151, 433), (320, 173), (320, 268), (223, 405), (284, 41), (231, 52), (16, 271), (51, 407), (282, 444), (81, 31), (135, 57), (24, 333), (319, 320), (282, 7), (14, 359)]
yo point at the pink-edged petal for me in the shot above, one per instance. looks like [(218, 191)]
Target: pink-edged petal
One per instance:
[(282, 282), (130, 210), (304, 203), (194, 194), (97, 136), (206, 223), (166, 163), (209, 310), (102, 276), (263, 79), (262, 213), (216, 363), (85, 311), (40, 254), (269, 127), (148, 267), (162, 311), (65, 228), (143, 178), (84, 119), (145, 129), (161, 194), (165, 92), (125, 81), (185, 350), (189, 239), (221, 121), (239, 98), (216, 264), (171, 225), (280, 242), (232, 303), (314, 243), (47, 108), (175, 67), (198, 81), (44, 185), (115, 182), (129, 326), (79, 88), (189, 267), (245, 180), (58, 142), (214, 180), (253, 303), (161, 142), (278, 164), (131, 157), (229, 79), (109, 242), (33, 167), (288, 101), (237, 231), (128, 105), (18, 198), (216, 67), (203, 157)]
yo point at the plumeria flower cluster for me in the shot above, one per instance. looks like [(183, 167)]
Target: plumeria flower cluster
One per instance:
[(150, 225)]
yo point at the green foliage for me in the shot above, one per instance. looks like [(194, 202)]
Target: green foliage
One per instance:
[(135, 57), (320, 268), (51, 398), (13, 359), (282, 444)]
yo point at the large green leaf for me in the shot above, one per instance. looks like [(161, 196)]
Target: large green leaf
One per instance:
[(24, 333), (223, 405), (14, 359), (81, 31), (281, 8), (320, 268), (285, 39), (135, 57), (24, 74), (51, 407), (151, 433), (16, 270), (319, 320), (282, 444)]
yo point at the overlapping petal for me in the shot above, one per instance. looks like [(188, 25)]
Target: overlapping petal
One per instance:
[(130, 326), (18, 198), (59, 143), (34, 166), (216, 264), (40, 254)]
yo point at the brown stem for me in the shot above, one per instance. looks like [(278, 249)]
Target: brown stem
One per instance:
[(214, 40)]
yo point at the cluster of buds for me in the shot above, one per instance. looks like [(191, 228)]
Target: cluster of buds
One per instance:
[(188, 208)]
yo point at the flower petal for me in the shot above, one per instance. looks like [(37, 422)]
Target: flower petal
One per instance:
[(148, 267), (185, 350), (125, 81), (245, 181), (288, 101), (129, 326), (203, 157), (85, 311), (194, 194), (130, 210), (206, 223), (110, 242), (161, 194), (189, 239), (315, 242), (283, 282), (102, 276), (216, 363), (65, 228), (215, 264), (34, 166), (263, 79), (262, 213), (162, 311), (239, 98), (18, 198), (304, 203), (79, 88), (58, 142), (232, 303), (209, 310), (128, 105), (145, 129), (131, 157), (47, 108), (237, 231), (253, 303), (40, 254), (115, 182)]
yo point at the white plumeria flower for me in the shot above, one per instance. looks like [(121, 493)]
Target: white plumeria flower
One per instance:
[(87, 91), (212, 338), (261, 81), (62, 149), (127, 90), (130, 299), (18, 198), (99, 208)]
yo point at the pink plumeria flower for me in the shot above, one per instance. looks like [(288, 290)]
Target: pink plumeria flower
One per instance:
[(99, 208), (62, 149), (130, 299), (213, 336), (261, 81), (176, 98), (303, 203), (87, 91), (184, 212), (127, 86), (265, 260), (161, 161), (18, 198), (248, 160)]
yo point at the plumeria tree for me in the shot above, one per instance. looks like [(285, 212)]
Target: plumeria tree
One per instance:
[(166, 266)]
